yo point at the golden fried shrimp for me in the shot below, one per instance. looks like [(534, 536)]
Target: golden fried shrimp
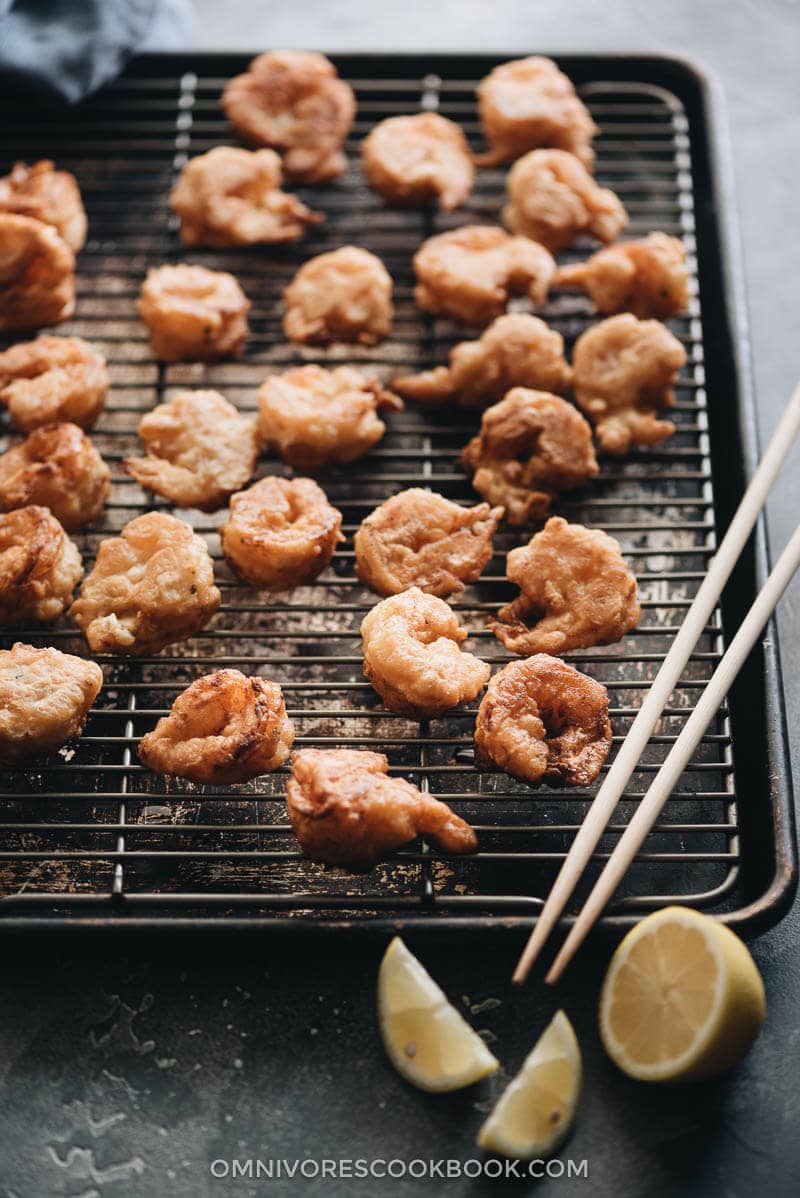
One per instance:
[(623, 372), (413, 659), (48, 195), (194, 314), (53, 379), (420, 539), (648, 277), (57, 467), (345, 295), (531, 446), (200, 450), (541, 719), (471, 273), (347, 811), (295, 102), (281, 533), (313, 417), (39, 567), (223, 729), (45, 697), (553, 199), (576, 591), (150, 586), (412, 159), (37, 274), (529, 103)]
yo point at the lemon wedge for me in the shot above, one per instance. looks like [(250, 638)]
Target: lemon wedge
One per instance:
[(682, 998), (429, 1043)]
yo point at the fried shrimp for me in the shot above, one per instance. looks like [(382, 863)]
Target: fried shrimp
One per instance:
[(471, 273), (313, 417), (39, 567), (420, 539), (345, 295), (648, 277), (624, 370), (576, 591), (347, 811), (45, 696), (37, 274), (281, 533), (296, 103), (56, 467), (541, 719), (53, 379), (223, 729), (531, 446), (150, 586), (231, 196), (516, 350), (553, 199), (412, 159), (194, 314), (48, 195), (200, 450), (413, 658)]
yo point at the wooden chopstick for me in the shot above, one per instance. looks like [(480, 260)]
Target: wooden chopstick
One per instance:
[(641, 729)]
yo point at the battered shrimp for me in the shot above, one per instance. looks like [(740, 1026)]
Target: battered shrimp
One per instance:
[(150, 586), (281, 533), (420, 539), (53, 379), (471, 273), (48, 195), (313, 417), (194, 314), (413, 659), (200, 450), (576, 591), (37, 274), (347, 811), (553, 199), (540, 719), (295, 102), (45, 696), (56, 467), (223, 729), (232, 196), (531, 446), (648, 277), (345, 295), (624, 370), (412, 159), (39, 567)]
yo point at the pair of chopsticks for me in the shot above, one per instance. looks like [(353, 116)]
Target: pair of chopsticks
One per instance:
[(651, 805)]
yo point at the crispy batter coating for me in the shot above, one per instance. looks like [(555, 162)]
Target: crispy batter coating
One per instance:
[(57, 467), (648, 277), (200, 450), (45, 696), (194, 314), (623, 372), (48, 195), (347, 811), (39, 567), (541, 719), (576, 591), (53, 379), (471, 273), (412, 159), (553, 199), (531, 446), (420, 539), (314, 417), (223, 729), (281, 533), (345, 295), (412, 655), (295, 102), (150, 586), (37, 274)]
